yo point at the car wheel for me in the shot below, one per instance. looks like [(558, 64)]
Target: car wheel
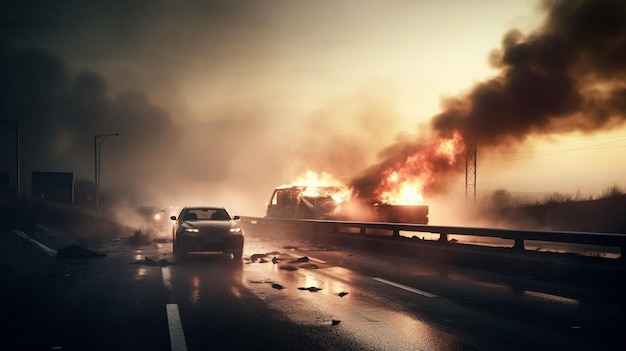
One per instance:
[(237, 254), (178, 252)]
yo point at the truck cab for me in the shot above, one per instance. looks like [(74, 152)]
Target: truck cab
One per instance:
[(335, 203), (304, 202)]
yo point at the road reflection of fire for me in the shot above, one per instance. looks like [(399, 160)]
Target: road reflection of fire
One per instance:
[(195, 289), (235, 291), (141, 272)]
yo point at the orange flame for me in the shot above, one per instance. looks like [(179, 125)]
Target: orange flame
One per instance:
[(321, 184), (313, 179), (404, 184)]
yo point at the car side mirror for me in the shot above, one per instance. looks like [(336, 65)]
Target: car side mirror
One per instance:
[(173, 218), (237, 218)]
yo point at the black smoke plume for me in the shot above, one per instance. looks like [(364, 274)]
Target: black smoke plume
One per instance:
[(567, 76)]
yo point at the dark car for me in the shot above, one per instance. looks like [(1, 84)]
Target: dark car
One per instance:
[(206, 229)]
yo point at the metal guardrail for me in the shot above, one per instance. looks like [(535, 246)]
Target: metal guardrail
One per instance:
[(519, 237)]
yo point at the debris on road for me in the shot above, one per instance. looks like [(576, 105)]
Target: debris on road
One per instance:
[(310, 289), (277, 286), (260, 258), (256, 257), (342, 294), (152, 262), (302, 259), (287, 267), (335, 322)]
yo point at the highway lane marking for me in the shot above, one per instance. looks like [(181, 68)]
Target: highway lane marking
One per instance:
[(177, 336), (404, 287), (174, 323)]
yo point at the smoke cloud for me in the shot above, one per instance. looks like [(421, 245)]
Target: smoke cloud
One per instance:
[(166, 160), (569, 75)]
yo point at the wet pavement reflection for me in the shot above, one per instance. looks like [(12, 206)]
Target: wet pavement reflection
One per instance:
[(321, 292)]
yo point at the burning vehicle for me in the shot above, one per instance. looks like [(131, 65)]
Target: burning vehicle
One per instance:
[(390, 192), (337, 203), (307, 202)]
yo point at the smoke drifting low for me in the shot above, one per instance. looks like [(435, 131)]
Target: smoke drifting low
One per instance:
[(59, 114), (234, 158), (570, 75), (153, 160)]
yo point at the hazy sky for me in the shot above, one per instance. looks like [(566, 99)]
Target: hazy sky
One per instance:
[(221, 101)]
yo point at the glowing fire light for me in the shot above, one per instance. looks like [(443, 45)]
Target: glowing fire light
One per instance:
[(314, 179), (404, 184), (321, 184)]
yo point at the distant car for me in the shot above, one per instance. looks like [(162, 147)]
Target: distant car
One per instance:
[(206, 229), (153, 222)]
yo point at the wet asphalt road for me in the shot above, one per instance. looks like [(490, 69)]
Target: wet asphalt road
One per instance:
[(294, 295)]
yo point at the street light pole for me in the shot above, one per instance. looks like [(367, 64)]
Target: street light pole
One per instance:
[(97, 141)]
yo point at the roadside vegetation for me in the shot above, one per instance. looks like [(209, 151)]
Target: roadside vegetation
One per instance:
[(71, 223), (558, 211)]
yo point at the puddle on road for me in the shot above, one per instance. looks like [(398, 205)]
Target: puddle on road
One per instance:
[(326, 296)]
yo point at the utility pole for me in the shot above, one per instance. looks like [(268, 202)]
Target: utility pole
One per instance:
[(470, 172)]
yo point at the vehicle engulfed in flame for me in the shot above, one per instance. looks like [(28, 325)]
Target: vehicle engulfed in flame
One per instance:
[(393, 193), (338, 203), (310, 202)]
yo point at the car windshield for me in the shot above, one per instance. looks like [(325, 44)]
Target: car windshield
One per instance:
[(206, 214)]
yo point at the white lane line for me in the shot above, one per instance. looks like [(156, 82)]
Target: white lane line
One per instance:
[(41, 246), (177, 337), (404, 287)]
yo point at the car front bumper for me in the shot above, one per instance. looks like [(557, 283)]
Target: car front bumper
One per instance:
[(201, 242)]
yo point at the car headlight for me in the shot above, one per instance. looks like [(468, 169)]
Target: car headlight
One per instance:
[(192, 230)]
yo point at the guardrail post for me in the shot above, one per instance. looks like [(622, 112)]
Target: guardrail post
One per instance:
[(363, 231), (519, 244), (443, 237), (396, 232)]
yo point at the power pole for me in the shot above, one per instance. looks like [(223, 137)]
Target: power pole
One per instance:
[(470, 172)]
